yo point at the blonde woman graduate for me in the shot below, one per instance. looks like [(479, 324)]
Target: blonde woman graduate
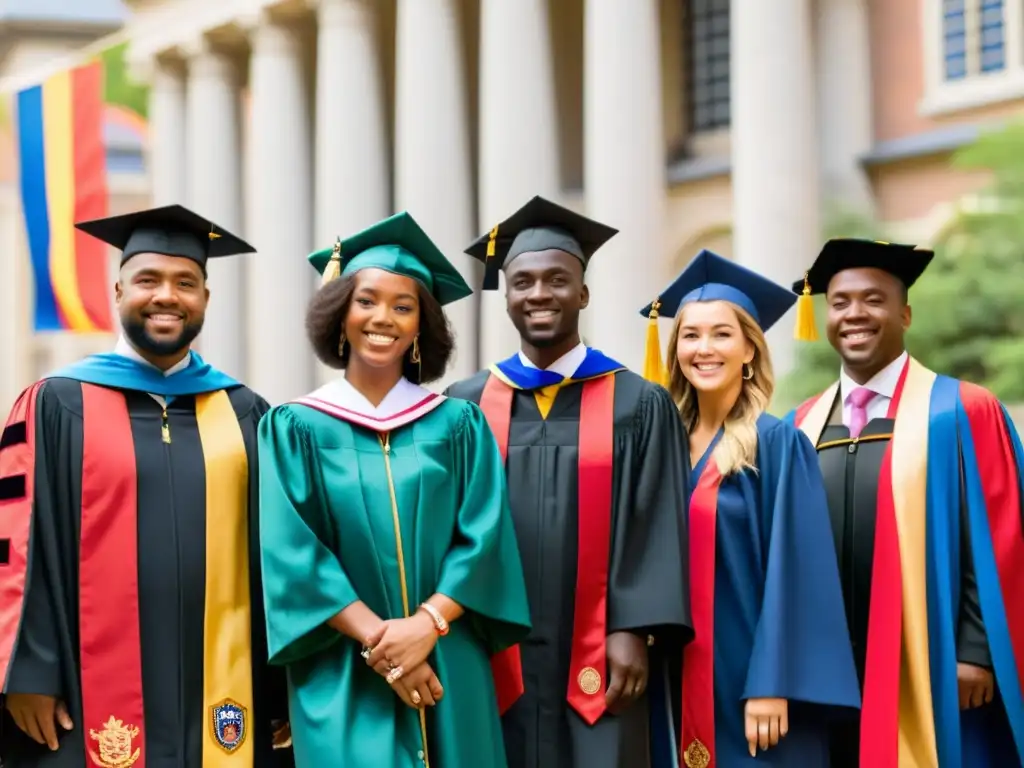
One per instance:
[(391, 571), (771, 665)]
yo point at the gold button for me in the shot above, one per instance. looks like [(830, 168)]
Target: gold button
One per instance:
[(697, 755), (589, 681)]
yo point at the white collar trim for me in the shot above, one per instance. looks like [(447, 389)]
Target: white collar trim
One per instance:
[(404, 404)]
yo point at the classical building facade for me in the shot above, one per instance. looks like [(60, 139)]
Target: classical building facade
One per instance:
[(737, 126)]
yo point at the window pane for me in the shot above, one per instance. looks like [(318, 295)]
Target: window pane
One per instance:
[(708, 68), (991, 41), (956, 67), (992, 61), (954, 39)]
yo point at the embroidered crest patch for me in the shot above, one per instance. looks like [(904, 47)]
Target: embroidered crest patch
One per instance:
[(229, 722), (115, 742)]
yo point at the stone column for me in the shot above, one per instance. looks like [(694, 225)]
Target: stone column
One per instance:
[(845, 124), (167, 131), (352, 170), (213, 131), (624, 170), (518, 135), (433, 163), (279, 213), (775, 174)]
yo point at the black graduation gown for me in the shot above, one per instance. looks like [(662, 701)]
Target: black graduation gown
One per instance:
[(647, 587), (171, 583), (851, 470)]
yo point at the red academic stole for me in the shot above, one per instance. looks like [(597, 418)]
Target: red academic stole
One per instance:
[(698, 737), (588, 661), (113, 722), (880, 703)]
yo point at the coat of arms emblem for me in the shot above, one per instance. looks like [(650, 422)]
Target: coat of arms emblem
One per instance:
[(115, 744), (230, 725)]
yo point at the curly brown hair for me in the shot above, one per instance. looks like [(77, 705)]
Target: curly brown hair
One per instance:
[(326, 315)]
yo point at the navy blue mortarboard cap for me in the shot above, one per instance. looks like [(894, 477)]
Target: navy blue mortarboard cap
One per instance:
[(709, 277)]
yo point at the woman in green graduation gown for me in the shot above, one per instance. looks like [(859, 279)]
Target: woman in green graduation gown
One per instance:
[(390, 567)]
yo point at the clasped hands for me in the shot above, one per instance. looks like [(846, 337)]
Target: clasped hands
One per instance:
[(398, 652)]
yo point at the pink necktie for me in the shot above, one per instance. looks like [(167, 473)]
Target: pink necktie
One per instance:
[(859, 399)]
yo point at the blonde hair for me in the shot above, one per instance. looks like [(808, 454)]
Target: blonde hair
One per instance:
[(737, 449)]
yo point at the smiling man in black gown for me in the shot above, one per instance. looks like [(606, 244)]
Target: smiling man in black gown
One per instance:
[(131, 627), (597, 462)]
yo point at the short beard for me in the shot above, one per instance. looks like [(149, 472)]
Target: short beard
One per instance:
[(135, 330)]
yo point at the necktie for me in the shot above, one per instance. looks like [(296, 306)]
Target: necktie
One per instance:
[(859, 399)]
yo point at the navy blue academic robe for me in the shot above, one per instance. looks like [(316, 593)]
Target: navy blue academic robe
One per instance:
[(779, 625)]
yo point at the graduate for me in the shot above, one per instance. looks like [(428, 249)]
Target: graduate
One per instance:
[(923, 474), (595, 458), (129, 536), (771, 662), (391, 573)]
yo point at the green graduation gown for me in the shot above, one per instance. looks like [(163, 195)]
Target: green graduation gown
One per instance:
[(339, 481)]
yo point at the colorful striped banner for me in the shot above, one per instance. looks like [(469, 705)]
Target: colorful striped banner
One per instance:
[(63, 180)]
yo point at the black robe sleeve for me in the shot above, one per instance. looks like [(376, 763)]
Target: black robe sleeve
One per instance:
[(36, 661), (971, 640), (648, 591)]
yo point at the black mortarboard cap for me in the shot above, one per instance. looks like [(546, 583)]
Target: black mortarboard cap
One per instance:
[(905, 262), (540, 225), (172, 230)]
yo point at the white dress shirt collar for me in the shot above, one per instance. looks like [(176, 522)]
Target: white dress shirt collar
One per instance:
[(883, 383), (564, 366)]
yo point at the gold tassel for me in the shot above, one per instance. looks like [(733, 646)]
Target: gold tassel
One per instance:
[(333, 268), (491, 266), (491, 244), (806, 328), (654, 368)]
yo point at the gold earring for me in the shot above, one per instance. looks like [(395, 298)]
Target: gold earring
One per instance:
[(748, 371), (341, 346), (415, 357)]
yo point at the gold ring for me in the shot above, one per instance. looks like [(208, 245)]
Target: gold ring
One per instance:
[(393, 675)]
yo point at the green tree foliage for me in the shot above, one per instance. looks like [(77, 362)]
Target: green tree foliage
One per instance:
[(119, 88), (968, 308)]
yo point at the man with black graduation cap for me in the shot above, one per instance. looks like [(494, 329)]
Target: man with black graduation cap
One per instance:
[(131, 627), (596, 461), (923, 478)]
